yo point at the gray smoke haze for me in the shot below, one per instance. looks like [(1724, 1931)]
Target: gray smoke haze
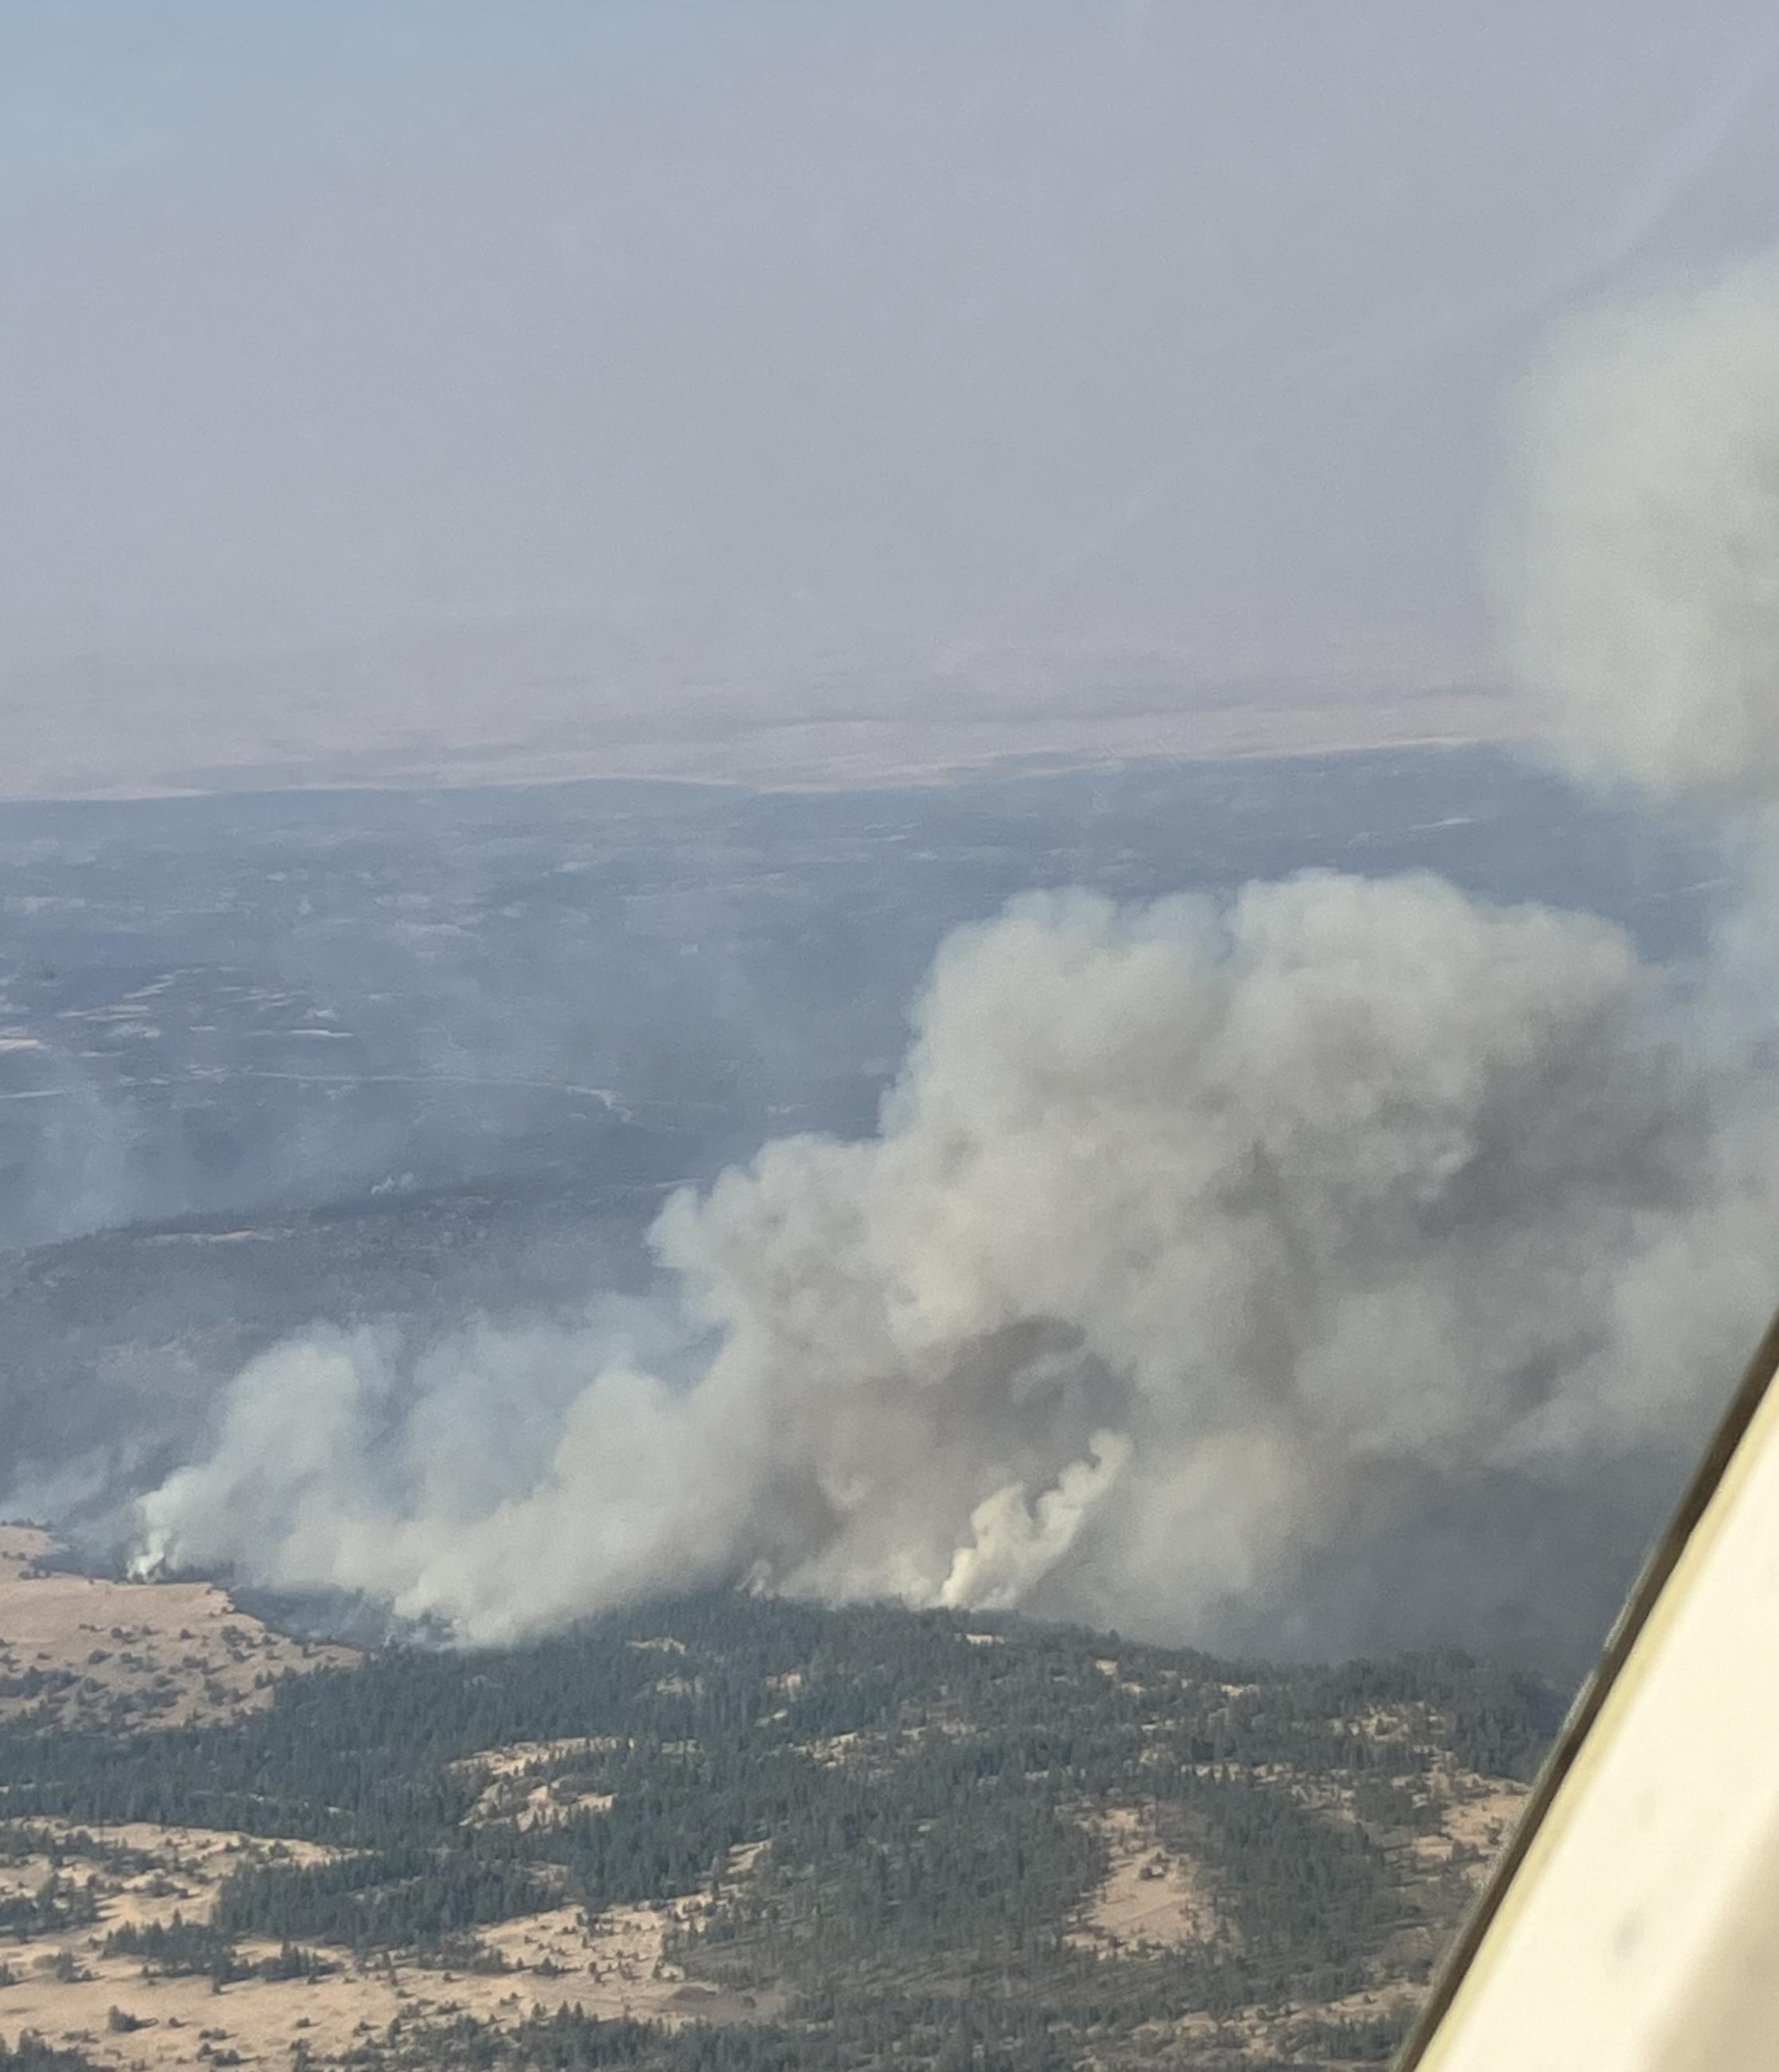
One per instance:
[(1250, 1273), (1638, 555), (422, 390)]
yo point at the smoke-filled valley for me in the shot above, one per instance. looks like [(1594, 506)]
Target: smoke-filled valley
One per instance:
[(1343, 1259)]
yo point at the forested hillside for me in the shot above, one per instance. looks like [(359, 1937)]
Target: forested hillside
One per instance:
[(728, 1831)]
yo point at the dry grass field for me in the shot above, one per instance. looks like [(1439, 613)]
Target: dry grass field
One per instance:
[(80, 1651), (1199, 1800), (85, 1651), (114, 2009)]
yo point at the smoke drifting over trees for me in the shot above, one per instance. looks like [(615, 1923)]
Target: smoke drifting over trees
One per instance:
[(1250, 1274)]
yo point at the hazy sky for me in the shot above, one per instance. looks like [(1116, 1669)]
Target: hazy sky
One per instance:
[(543, 376)]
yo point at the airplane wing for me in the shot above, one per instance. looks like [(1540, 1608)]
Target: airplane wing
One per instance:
[(1633, 1925)]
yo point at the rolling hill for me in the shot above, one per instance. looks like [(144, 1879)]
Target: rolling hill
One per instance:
[(733, 1831)]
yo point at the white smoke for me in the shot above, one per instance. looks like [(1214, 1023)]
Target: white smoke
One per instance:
[(1208, 1260), (1638, 550)]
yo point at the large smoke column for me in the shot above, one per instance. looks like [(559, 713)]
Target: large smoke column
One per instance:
[(1286, 1273)]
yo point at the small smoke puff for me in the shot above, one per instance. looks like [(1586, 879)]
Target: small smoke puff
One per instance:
[(1636, 553), (1014, 1543)]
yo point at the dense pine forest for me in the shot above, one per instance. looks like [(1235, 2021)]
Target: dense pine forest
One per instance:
[(901, 1829)]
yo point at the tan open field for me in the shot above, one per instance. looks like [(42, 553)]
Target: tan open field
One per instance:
[(522, 1784), (149, 1655), (96, 1651), (1150, 1895), (65, 1986)]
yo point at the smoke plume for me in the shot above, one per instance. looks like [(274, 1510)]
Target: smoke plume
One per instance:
[(1346, 1264), (1637, 556)]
